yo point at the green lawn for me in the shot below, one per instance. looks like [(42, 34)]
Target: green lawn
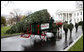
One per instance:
[(4, 29), (78, 46)]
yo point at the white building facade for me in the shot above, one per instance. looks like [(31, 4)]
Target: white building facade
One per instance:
[(75, 15)]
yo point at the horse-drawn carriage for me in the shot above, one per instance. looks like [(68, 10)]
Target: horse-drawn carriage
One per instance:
[(41, 29)]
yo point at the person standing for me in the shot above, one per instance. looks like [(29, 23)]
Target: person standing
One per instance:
[(76, 26), (51, 23), (65, 28), (54, 30), (70, 26)]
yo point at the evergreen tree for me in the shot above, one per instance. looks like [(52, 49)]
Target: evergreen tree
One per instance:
[(41, 16)]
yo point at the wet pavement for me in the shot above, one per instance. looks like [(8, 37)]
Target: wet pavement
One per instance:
[(17, 43)]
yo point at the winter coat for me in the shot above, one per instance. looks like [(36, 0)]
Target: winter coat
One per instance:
[(65, 26), (54, 27), (70, 26), (76, 25)]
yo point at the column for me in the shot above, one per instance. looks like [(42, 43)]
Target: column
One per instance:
[(59, 15), (66, 16), (62, 17)]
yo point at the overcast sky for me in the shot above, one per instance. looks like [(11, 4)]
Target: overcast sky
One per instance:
[(52, 6)]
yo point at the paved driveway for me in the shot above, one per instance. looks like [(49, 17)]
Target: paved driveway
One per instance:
[(17, 43)]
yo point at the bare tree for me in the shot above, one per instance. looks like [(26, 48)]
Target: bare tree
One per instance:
[(79, 4), (16, 13)]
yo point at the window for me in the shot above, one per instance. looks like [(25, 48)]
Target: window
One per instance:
[(80, 13), (77, 14), (70, 15), (81, 19), (64, 14)]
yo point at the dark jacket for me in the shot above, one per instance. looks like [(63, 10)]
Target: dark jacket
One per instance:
[(76, 25), (54, 27), (65, 26), (70, 26)]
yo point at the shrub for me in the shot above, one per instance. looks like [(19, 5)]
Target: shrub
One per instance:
[(80, 23), (3, 20)]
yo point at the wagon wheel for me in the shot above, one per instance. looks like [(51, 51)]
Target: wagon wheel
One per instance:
[(43, 35)]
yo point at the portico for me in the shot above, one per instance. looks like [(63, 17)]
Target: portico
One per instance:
[(73, 15), (65, 15)]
